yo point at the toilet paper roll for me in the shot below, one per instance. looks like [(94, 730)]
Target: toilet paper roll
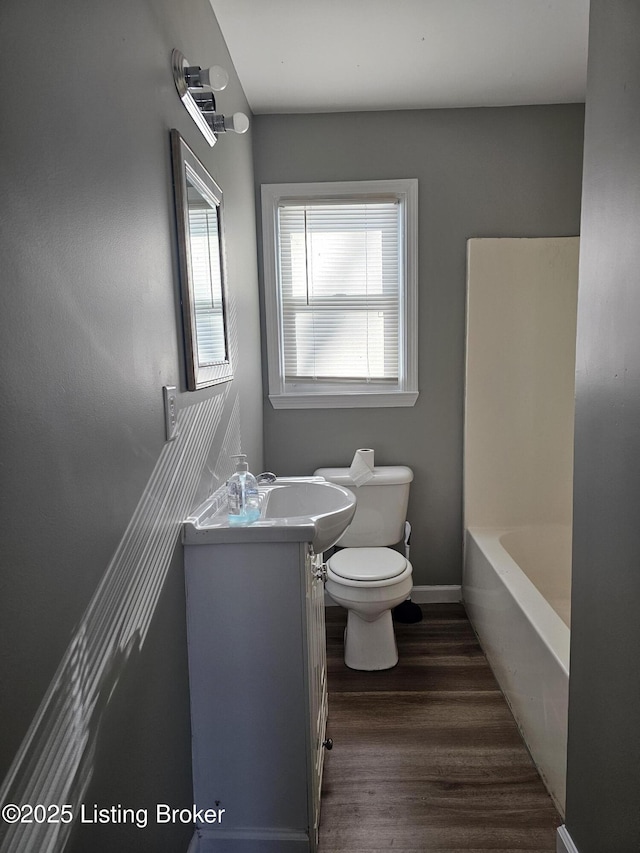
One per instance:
[(361, 468)]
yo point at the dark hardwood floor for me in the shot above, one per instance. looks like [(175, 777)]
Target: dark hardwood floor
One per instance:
[(427, 756)]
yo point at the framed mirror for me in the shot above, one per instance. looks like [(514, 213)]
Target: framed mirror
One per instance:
[(203, 282)]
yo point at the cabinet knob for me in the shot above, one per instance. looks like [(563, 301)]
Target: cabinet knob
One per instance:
[(328, 743)]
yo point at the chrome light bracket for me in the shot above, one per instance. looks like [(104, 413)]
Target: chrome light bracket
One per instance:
[(183, 74)]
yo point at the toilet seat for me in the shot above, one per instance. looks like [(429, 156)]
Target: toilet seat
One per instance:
[(367, 564)]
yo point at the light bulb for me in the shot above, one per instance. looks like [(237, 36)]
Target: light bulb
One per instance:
[(215, 78), (238, 122)]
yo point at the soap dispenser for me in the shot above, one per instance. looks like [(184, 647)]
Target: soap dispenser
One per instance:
[(242, 494)]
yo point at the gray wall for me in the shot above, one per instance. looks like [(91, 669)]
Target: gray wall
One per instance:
[(604, 704), (93, 651), (512, 172)]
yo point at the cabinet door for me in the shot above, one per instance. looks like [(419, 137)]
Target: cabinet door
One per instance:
[(249, 673), (317, 663)]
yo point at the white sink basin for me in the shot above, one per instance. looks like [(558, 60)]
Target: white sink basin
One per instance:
[(287, 500), (294, 509)]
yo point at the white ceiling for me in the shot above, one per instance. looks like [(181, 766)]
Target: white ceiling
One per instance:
[(343, 55)]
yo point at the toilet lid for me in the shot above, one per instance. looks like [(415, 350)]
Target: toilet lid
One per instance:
[(367, 564)]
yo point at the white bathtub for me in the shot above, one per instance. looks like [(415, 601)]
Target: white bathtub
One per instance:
[(516, 590)]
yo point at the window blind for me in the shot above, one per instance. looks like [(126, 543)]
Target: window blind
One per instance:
[(207, 284), (340, 271)]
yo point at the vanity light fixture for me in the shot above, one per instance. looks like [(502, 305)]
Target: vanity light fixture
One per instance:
[(196, 86)]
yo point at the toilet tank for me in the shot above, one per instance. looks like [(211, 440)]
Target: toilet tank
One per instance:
[(381, 505)]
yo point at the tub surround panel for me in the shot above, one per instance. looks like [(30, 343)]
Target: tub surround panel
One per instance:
[(519, 402)]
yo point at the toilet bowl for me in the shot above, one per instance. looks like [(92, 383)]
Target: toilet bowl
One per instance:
[(364, 575), (369, 583)]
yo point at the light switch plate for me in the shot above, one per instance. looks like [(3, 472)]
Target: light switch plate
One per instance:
[(170, 397)]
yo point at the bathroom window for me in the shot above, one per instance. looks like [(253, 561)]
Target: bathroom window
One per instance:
[(340, 272)]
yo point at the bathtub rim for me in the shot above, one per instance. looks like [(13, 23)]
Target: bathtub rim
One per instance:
[(550, 627)]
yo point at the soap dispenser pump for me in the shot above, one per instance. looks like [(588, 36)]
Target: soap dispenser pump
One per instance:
[(242, 494)]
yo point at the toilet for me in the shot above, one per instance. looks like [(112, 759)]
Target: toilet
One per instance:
[(365, 576)]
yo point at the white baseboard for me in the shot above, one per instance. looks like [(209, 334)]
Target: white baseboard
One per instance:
[(564, 842), (443, 594), (244, 840)]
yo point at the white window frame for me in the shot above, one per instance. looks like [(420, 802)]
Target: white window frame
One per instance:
[(298, 395)]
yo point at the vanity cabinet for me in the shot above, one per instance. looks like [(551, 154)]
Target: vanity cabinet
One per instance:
[(257, 670)]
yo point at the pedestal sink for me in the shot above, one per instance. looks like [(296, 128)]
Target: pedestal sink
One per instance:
[(293, 509)]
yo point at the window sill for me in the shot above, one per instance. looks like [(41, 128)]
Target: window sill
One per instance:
[(344, 401)]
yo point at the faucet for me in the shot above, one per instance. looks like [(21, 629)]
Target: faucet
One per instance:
[(266, 477)]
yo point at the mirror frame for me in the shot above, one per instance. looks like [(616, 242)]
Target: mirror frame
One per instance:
[(187, 166)]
